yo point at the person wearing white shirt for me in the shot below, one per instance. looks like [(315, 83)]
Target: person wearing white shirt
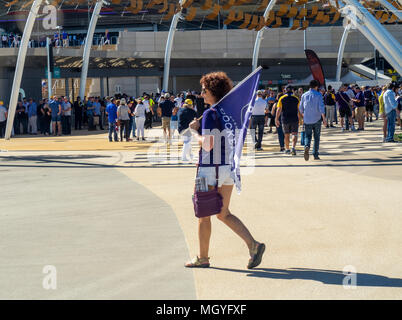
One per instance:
[(178, 101), (258, 119), (390, 105), (139, 113)]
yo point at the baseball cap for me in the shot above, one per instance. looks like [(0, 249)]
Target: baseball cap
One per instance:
[(167, 95), (188, 101)]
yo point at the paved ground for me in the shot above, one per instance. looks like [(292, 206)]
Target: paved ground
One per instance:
[(116, 221)]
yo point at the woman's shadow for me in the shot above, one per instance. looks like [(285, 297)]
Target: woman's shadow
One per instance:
[(333, 277)]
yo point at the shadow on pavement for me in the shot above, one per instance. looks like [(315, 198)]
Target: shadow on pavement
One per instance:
[(325, 276)]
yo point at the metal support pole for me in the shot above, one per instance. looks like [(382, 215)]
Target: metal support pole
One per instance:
[(87, 47), (385, 38), (19, 69), (304, 33), (341, 50), (376, 42), (168, 50), (391, 8), (258, 38), (49, 73)]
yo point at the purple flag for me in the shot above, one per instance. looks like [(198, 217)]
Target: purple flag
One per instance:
[(235, 110)]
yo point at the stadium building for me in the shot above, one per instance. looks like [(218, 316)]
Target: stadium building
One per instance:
[(130, 42)]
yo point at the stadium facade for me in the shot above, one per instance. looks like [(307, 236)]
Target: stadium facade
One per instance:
[(211, 35)]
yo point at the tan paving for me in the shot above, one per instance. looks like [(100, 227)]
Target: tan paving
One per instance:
[(315, 217)]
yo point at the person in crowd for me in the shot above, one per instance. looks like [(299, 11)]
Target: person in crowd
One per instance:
[(32, 117), (46, 118), (390, 107), (97, 113), (269, 118), (66, 116), (313, 111), (215, 86), (299, 93), (174, 119), (288, 109), (376, 95), (90, 113), (258, 119), (39, 121), (368, 102), (55, 107), (148, 116), (21, 117), (102, 116), (382, 112), (399, 108), (344, 106), (4, 41), (330, 108), (111, 112), (78, 107), (200, 105), (132, 125), (3, 119), (186, 114), (140, 113), (123, 112), (279, 130), (65, 38), (191, 95), (178, 101), (166, 108), (360, 108)]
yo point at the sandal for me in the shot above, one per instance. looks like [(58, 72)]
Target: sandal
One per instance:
[(197, 263), (256, 257)]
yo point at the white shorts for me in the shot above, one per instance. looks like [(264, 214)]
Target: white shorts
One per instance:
[(226, 177)]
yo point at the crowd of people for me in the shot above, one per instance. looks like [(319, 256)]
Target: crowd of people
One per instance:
[(288, 112), (59, 39), (293, 110)]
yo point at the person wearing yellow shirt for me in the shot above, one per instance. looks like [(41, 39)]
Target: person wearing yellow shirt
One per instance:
[(382, 112)]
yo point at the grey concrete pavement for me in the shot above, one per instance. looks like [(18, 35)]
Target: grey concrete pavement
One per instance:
[(107, 236), (317, 218)]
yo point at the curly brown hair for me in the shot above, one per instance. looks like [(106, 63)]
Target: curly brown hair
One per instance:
[(218, 83)]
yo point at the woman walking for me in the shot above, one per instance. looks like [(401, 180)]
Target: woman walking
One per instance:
[(123, 114), (215, 86)]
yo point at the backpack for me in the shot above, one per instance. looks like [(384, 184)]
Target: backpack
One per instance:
[(328, 99)]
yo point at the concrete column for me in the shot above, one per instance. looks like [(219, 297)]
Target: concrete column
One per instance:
[(19, 69), (168, 50), (102, 87), (340, 52), (258, 38), (88, 45), (67, 87)]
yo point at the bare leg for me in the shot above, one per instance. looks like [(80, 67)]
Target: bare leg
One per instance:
[(294, 140), (287, 138), (204, 235), (232, 221)]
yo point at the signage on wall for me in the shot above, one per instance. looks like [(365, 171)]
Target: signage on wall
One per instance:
[(55, 73)]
